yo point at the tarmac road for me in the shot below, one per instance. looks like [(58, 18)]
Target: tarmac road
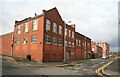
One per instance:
[(83, 68)]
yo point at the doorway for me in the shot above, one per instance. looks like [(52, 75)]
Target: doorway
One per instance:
[(68, 55)]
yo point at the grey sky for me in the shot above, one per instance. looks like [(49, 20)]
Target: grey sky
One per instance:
[(97, 19)]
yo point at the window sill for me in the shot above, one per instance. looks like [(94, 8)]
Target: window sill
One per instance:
[(47, 42), (54, 44), (60, 45), (33, 42)]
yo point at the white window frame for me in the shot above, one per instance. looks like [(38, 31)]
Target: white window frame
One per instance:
[(34, 39), (65, 43), (72, 34), (26, 27), (35, 25), (18, 41), (25, 41), (47, 39), (54, 40), (79, 43), (60, 43), (73, 44), (19, 29), (69, 33), (65, 31), (48, 22), (69, 44), (60, 29), (76, 42), (54, 27)]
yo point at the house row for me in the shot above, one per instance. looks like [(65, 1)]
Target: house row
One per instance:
[(100, 49), (46, 37)]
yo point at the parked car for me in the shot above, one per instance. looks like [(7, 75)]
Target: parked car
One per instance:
[(104, 57)]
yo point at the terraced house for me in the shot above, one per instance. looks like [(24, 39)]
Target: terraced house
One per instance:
[(46, 37)]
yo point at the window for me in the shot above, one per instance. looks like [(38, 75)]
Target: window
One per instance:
[(69, 44), (35, 24), (77, 42), (69, 33), (72, 53), (54, 40), (83, 42), (54, 27), (34, 39), (104, 46), (72, 34), (18, 41), (19, 29), (88, 45), (92, 48), (47, 39), (65, 31), (47, 24), (26, 27), (60, 41), (73, 44), (65, 43), (25, 40), (60, 29)]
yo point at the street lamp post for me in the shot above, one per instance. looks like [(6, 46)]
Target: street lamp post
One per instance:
[(64, 41)]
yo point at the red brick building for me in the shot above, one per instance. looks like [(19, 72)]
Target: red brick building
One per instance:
[(105, 47), (6, 44), (97, 50), (47, 37)]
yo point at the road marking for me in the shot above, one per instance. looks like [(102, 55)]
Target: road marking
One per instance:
[(41, 65), (99, 69)]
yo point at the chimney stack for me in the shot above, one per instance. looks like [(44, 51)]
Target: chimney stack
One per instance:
[(73, 25)]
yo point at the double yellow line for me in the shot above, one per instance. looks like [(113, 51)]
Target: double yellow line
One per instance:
[(99, 69)]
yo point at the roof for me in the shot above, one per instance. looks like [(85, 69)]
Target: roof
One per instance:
[(37, 16), (28, 19), (82, 35), (6, 34)]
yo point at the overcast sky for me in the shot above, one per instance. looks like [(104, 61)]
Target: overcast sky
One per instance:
[(97, 19)]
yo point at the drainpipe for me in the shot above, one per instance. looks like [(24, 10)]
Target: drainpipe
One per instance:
[(64, 42), (12, 45)]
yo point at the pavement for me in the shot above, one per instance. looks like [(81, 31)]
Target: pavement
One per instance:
[(113, 69), (42, 64)]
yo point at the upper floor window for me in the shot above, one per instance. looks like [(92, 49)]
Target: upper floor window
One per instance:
[(69, 44), (54, 27), (60, 41), (73, 44), (18, 41), (88, 45), (65, 31), (26, 27), (72, 34), (77, 42), (47, 39), (34, 39), (47, 24), (35, 25), (54, 40), (60, 29), (69, 33), (72, 53), (83, 42), (65, 43), (19, 29), (25, 40)]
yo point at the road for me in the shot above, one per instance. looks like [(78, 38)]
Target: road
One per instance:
[(86, 68)]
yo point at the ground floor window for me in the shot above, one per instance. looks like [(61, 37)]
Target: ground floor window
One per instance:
[(72, 53)]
